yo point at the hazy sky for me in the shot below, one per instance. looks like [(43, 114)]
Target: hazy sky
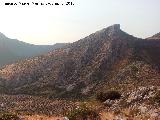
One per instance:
[(57, 24)]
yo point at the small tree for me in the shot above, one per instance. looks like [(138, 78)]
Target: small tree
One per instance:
[(156, 98)]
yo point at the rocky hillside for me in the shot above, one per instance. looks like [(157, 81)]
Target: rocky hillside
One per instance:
[(107, 59), (156, 36), (12, 50)]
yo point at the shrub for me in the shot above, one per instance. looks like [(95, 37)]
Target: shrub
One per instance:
[(9, 116), (134, 69), (111, 95), (82, 113), (134, 112), (156, 98)]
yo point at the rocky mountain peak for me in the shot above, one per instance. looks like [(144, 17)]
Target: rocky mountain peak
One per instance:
[(109, 31), (114, 28)]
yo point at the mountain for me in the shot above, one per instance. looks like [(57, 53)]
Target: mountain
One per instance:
[(156, 36), (105, 60), (12, 50)]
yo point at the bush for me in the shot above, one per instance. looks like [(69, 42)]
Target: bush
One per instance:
[(156, 98), (82, 113), (9, 116), (134, 112), (111, 95)]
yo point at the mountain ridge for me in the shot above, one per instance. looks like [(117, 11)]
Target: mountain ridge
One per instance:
[(12, 50)]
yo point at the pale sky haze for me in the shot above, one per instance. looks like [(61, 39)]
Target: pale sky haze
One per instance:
[(59, 24)]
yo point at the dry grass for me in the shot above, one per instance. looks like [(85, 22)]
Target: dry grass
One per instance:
[(38, 117)]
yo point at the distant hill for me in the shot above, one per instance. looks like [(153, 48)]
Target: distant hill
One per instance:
[(105, 60), (156, 36), (12, 50)]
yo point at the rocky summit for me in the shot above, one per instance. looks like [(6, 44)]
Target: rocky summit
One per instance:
[(109, 58)]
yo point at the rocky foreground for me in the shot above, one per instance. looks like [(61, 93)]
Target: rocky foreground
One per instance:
[(142, 103), (29, 105)]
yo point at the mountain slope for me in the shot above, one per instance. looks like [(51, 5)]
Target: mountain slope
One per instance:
[(12, 50), (107, 59), (155, 37)]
